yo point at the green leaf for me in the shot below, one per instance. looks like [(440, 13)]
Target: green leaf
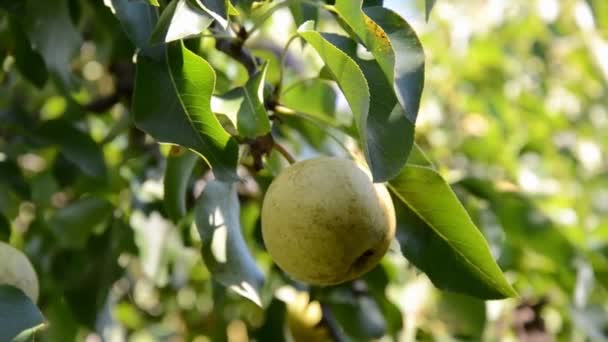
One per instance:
[(138, 20), (180, 20), (19, 316), (315, 97), (303, 12), (370, 34), (172, 103), (177, 175), (154, 3), (73, 224), (438, 236), (76, 145), (418, 157), (409, 58), (465, 316), (523, 222), (389, 133), (428, 6), (224, 250), (44, 22), (245, 106), (360, 316), (29, 62)]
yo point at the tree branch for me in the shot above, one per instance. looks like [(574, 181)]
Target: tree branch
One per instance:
[(233, 47)]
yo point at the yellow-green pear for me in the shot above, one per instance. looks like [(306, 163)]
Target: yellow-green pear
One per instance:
[(324, 222), (16, 270)]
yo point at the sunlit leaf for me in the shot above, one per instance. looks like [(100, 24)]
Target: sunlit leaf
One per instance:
[(389, 133), (245, 106), (19, 316), (316, 97), (224, 250), (181, 19), (172, 102), (437, 235), (177, 174), (409, 58)]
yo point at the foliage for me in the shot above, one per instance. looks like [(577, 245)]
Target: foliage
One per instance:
[(137, 140)]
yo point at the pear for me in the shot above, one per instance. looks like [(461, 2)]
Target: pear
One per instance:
[(17, 271), (324, 222)]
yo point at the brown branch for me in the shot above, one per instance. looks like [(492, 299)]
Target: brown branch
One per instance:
[(233, 47)]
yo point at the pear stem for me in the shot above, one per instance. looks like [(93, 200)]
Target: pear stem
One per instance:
[(284, 152)]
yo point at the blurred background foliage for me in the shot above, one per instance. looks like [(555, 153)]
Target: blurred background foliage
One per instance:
[(514, 114)]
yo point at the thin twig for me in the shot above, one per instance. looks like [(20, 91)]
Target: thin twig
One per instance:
[(284, 152)]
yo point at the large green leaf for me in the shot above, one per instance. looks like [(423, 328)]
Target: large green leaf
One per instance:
[(395, 46), (244, 106), (438, 236), (172, 102), (375, 124), (409, 58), (76, 145), (44, 23), (19, 316), (138, 20), (370, 34), (526, 226), (224, 250), (181, 19), (177, 175), (74, 224), (389, 133)]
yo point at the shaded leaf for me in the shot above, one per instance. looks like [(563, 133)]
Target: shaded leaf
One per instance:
[(303, 12), (465, 316), (5, 228), (245, 106), (73, 224), (44, 22), (77, 146), (172, 103), (437, 235), (224, 250), (138, 20), (29, 62), (360, 316), (177, 175), (180, 20), (19, 316), (428, 7)]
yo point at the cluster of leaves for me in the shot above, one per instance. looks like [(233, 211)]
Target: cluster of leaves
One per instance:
[(115, 222)]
